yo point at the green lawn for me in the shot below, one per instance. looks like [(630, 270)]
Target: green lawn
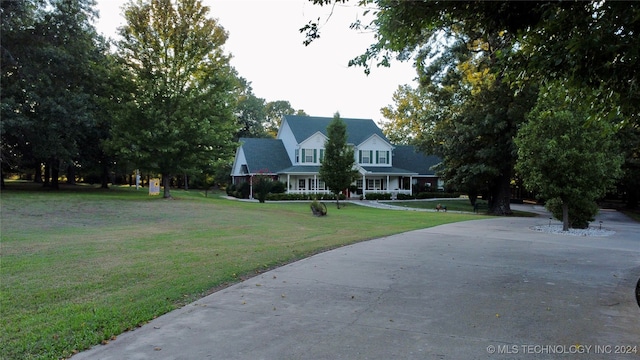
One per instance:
[(80, 267)]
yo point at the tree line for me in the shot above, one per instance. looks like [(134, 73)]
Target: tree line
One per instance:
[(163, 98), (539, 94)]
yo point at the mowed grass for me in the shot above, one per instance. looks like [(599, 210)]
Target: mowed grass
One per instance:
[(80, 267)]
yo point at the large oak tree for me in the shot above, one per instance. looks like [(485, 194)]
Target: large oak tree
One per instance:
[(181, 116), (52, 67), (587, 44)]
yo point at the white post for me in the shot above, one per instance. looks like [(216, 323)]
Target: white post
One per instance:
[(364, 186), (288, 182)]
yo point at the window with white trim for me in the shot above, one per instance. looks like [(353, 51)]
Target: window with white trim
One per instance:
[(382, 157), (302, 183), (309, 155), (365, 156)]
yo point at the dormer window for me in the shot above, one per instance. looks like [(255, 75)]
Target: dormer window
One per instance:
[(365, 156), (309, 155), (382, 157)]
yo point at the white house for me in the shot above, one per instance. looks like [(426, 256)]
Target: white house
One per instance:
[(294, 158)]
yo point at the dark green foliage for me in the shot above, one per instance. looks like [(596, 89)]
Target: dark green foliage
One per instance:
[(378, 196), (262, 185), (582, 44), (278, 187), (436, 195), (581, 211), (338, 167), (287, 197), (274, 111), (565, 157), (244, 191), (429, 195), (53, 70), (181, 117), (250, 113)]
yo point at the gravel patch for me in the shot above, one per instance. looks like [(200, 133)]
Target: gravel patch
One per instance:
[(557, 229)]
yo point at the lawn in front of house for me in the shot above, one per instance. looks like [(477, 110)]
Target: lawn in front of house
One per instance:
[(80, 266)]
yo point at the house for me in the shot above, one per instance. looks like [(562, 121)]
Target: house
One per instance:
[(294, 158)]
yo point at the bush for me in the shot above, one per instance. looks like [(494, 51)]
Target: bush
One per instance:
[(262, 186), (378, 196), (318, 208), (244, 191), (433, 195), (405, 197), (581, 212), (278, 187), (290, 197)]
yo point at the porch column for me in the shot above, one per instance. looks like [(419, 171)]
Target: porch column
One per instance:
[(251, 187), (387, 188), (315, 183), (288, 182), (411, 184), (364, 186)]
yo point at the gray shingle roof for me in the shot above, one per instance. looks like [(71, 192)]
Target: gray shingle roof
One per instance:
[(358, 130), (306, 169), (265, 155), (388, 170), (407, 157)]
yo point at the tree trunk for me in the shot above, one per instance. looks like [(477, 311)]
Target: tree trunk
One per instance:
[(501, 196), (565, 216), (37, 177), (186, 182), (105, 176), (338, 200), (473, 197), (166, 183), (71, 174), (47, 174), (55, 173)]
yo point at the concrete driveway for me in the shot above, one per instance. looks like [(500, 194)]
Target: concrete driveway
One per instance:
[(486, 289)]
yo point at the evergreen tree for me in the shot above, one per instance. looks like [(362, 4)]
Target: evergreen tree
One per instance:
[(338, 166)]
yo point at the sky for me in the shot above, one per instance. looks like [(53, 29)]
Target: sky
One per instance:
[(267, 50)]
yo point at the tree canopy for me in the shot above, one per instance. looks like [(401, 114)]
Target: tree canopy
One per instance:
[(566, 159), (164, 99), (51, 56), (182, 109), (511, 48)]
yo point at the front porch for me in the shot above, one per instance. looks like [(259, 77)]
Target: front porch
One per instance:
[(311, 184)]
